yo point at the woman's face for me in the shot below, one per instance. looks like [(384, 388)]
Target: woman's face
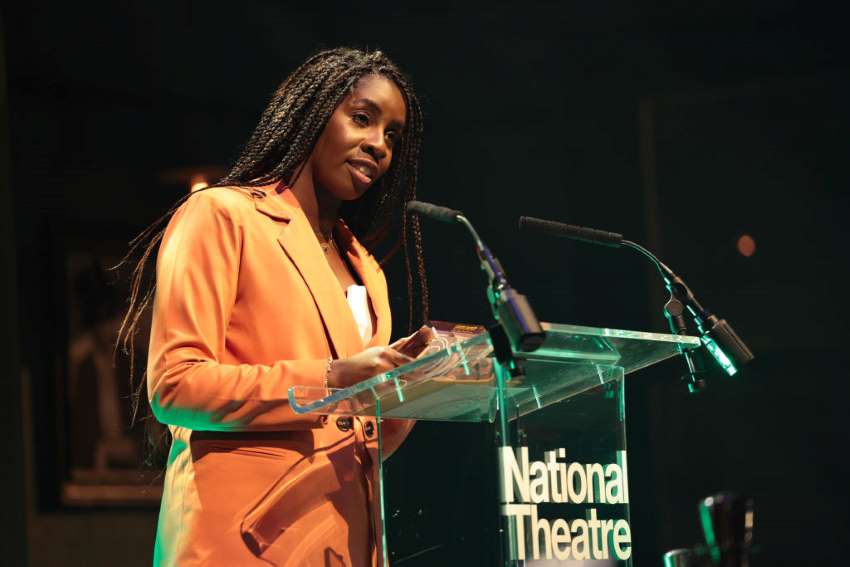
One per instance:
[(356, 147)]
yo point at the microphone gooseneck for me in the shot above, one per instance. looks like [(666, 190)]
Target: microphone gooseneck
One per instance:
[(716, 334), (510, 308)]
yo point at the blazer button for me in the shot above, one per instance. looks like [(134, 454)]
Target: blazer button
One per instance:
[(369, 428), (344, 423)]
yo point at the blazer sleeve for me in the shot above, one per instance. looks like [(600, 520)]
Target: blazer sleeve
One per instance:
[(188, 385)]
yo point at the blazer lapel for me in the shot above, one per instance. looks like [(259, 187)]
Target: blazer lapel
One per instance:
[(376, 286), (301, 246)]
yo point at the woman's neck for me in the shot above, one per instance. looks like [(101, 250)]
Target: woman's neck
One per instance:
[(320, 207)]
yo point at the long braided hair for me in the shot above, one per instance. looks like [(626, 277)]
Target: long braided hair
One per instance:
[(282, 141)]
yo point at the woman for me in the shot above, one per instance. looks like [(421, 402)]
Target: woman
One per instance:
[(260, 286)]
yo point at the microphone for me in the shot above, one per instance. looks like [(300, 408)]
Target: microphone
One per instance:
[(562, 230), (727, 523), (510, 308), (682, 557), (716, 334), (443, 214)]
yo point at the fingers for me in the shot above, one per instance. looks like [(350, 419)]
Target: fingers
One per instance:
[(366, 364), (415, 343), (396, 358), (423, 330)]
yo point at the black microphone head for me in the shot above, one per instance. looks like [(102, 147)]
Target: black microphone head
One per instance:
[(681, 558), (435, 212), (729, 340), (727, 524), (417, 207), (554, 228)]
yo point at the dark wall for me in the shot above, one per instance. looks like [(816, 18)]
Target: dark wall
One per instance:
[(13, 547), (681, 127), (761, 158)]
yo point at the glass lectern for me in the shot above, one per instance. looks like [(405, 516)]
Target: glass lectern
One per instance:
[(558, 417)]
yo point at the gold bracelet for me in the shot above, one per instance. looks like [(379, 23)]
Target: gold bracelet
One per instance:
[(327, 371)]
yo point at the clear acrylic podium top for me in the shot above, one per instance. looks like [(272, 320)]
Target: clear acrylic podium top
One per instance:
[(455, 378)]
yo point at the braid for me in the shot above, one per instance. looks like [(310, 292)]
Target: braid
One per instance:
[(282, 141)]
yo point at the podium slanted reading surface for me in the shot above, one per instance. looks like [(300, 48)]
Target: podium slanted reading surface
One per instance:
[(558, 421)]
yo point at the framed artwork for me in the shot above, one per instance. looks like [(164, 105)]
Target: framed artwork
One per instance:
[(107, 434)]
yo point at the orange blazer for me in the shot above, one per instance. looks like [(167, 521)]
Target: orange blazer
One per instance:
[(247, 306)]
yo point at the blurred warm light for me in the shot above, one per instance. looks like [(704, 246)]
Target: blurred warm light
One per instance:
[(746, 245), (198, 181), (195, 176)]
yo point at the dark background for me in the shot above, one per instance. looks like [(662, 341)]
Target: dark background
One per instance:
[(682, 127)]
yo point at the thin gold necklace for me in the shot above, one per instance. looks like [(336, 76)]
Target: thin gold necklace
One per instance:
[(326, 242)]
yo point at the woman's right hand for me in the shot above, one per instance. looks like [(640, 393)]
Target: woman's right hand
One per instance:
[(366, 364)]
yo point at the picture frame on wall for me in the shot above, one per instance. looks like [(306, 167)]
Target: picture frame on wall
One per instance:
[(105, 435)]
